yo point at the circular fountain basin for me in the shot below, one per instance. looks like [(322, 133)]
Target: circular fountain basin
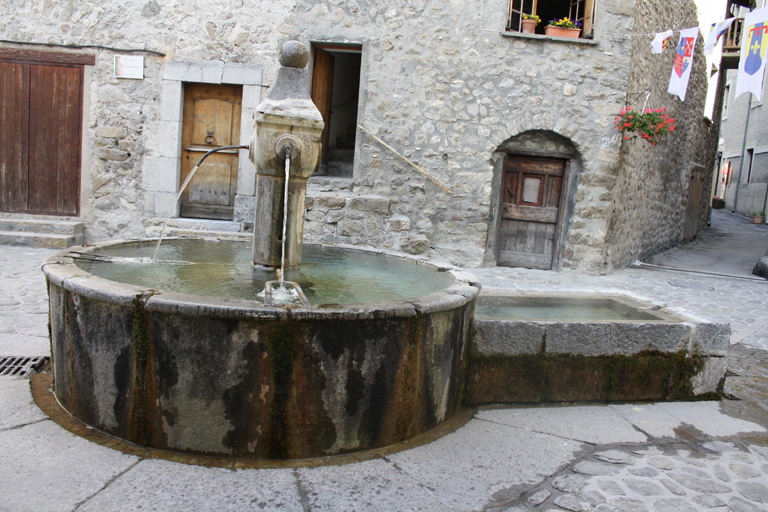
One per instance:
[(186, 356)]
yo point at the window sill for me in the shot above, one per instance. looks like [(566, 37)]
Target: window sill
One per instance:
[(540, 37)]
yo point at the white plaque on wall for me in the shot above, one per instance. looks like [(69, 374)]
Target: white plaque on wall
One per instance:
[(129, 66)]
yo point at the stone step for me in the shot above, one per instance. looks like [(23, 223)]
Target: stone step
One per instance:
[(172, 231), (199, 224), (58, 227), (52, 240)]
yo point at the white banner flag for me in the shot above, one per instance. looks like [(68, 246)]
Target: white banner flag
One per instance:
[(660, 41), (718, 29), (754, 42), (681, 72)]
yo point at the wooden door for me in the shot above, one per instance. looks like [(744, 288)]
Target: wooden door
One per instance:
[(693, 207), (211, 120), (40, 134), (530, 211), (322, 91)]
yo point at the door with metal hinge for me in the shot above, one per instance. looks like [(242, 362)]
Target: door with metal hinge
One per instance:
[(211, 120), (531, 211)]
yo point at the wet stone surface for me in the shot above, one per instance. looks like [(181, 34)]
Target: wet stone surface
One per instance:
[(674, 477)]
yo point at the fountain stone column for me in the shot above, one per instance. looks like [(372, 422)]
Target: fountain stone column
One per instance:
[(287, 118)]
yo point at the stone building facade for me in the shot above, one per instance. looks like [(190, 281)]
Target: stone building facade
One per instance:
[(754, 172), (442, 83)]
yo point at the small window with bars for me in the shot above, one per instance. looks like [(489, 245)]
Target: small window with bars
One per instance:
[(582, 11)]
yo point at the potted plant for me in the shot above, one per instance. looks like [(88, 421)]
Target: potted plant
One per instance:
[(650, 125), (564, 27), (717, 203), (758, 217), (529, 23)]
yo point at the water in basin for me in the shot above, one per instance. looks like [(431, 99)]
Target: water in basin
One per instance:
[(570, 309), (328, 275)]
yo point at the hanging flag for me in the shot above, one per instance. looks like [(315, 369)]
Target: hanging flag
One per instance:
[(681, 72), (718, 29), (753, 47), (660, 41)]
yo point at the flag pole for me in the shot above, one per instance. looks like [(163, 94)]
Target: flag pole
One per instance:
[(743, 152)]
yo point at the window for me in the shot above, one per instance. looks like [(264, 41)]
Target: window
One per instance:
[(726, 100), (578, 10)]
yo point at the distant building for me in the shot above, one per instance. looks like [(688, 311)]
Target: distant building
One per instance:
[(519, 127), (752, 185)]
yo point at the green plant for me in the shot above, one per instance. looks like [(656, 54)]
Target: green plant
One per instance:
[(532, 17), (651, 125), (758, 214), (565, 23)]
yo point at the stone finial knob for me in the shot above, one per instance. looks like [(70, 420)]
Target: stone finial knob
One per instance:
[(294, 55)]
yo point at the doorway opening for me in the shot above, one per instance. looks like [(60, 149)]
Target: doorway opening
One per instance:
[(336, 91)]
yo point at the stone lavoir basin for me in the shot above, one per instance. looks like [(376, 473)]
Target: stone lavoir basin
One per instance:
[(186, 357), (533, 346)]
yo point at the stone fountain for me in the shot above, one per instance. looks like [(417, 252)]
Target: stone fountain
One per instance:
[(184, 356)]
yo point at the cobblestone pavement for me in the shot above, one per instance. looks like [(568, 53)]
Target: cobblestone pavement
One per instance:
[(618, 457)]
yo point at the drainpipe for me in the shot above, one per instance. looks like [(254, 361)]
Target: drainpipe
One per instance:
[(743, 153)]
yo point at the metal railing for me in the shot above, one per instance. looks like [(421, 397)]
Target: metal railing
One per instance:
[(732, 38)]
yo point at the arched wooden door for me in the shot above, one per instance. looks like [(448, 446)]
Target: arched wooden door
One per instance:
[(211, 120), (531, 211)]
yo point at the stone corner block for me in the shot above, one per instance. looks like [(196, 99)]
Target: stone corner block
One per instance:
[(416, 244), (183, 71), (370, 203), (398, 223), (172, 102), (711, 339), (611, 338), (212, 71), (165, 204), (111, 132), (245, 74), (709, 379), (160, 174), (501, 337)]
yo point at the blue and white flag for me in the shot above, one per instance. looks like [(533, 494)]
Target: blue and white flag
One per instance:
[(718, 29), (681, 72), (660, 41), (753, 48)]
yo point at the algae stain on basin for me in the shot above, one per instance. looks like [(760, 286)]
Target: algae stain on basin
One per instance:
[(228, 375)]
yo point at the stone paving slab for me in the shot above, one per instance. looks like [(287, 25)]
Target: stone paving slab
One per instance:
[(373, 486), (162, 485), (484, 463), (588, 424), (44, 468), (16, 404), (707, 418)]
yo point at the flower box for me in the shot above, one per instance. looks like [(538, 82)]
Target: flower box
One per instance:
[(552, 30)]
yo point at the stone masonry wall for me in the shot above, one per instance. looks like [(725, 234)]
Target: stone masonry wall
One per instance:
[(122, 117), (445, 88), (440, 82), (649, 204)]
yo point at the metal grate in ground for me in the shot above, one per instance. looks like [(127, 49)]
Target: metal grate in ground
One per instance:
[(20, 366)]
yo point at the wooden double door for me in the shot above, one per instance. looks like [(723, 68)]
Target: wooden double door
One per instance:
[(531, 206), (211, 120), (40, 136)]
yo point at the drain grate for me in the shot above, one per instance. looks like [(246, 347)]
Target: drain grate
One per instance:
[(20, 366)]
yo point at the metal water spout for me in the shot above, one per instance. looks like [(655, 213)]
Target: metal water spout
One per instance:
[(286, 119)]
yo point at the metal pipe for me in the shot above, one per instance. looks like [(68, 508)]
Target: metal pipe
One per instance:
[(184, 185)]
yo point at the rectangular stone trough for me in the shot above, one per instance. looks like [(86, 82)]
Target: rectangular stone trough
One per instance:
[(526, 348)]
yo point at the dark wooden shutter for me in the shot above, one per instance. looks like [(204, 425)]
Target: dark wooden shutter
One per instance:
[(40, 133)]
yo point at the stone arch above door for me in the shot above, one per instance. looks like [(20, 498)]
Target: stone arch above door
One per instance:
[(534, 183)]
